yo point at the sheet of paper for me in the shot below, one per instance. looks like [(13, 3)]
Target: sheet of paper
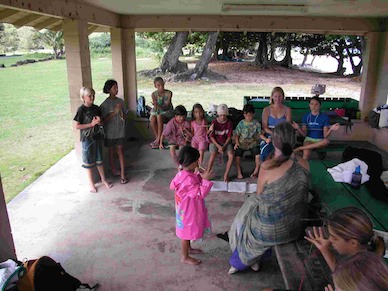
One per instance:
[(238, 187), (251, 188), (219, 186)]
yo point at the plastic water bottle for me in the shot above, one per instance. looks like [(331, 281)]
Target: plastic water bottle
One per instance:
[(356, 178)]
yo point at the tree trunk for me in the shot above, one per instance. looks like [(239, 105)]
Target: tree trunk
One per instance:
[(304, 59), (170, 60), (207, 52), (312, 61), (340, 50), (259, 54), (287, 61), (264, 52)]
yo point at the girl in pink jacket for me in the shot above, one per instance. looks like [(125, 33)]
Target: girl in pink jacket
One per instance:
[(191, 188)]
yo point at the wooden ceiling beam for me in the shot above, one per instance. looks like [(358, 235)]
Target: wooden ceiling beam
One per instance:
[(47, 23), (92, 28), (7, 13), (25, 21)]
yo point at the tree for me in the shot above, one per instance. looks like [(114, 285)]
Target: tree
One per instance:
[(54, 40), (9, 40), (170, 62), (29, 38), (100, 42), (206, 56)]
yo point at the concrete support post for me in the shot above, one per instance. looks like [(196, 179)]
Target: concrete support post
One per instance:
[(375, 66), (382, 82), (7, 247), (78, 62), (124, 64)]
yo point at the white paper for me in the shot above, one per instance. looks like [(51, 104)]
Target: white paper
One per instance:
[(238, 187), (252, 188), (219, 186)]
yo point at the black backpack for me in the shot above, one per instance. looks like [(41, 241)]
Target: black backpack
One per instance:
[(45, 274), (374, 161), (141, 110)]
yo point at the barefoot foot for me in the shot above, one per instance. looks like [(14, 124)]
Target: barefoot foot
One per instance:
[(226, 178), (254, 174), (107, 184), (190, 261), (239, 176), (92, 189)]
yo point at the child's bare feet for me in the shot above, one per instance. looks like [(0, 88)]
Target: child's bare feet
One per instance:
[(92, 189), (255, 173), (226, 178), (107, 184), (239, 176), (190, 261), (195, 251)]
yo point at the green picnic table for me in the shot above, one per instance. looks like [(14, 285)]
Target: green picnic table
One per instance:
[(334, 195)]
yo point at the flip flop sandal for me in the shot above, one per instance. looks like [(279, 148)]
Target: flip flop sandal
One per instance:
[(123, 181), (154, 145)]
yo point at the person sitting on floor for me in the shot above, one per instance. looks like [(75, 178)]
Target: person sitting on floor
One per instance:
[(350, 232), (273, 216), (178, 132), (248, 137), (316, 129)]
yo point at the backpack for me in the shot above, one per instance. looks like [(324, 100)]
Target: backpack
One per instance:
[(141, 110), (373, 119), (374, 161), (45, 274)]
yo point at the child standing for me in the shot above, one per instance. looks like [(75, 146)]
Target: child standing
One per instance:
[(316, 128), (191, 188), (248, 134), (88, 121), (199, 130), (350, 231), (114, 114), (221, 131), (161, 100), (177, 131)]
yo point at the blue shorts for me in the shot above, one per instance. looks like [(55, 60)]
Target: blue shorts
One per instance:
[(92, 153)]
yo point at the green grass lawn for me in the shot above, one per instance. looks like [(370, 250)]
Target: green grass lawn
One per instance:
[(36, 123)]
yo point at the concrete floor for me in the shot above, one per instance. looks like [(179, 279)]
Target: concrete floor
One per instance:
[(124, 237)]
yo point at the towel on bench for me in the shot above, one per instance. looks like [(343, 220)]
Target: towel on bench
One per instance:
[(342, 172)]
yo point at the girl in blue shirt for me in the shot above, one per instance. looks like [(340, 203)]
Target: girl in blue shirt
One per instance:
[(316, 129)]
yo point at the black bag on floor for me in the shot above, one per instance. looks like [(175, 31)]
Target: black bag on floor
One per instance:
[(375, 167), (45, 274)]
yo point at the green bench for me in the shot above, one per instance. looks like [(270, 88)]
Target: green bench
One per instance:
[(300, 262)]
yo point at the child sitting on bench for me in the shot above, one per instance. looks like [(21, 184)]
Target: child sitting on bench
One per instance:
[(316, 128), (178, 132)]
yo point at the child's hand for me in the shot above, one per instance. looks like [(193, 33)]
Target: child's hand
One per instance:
[(118, 108), (295, 125), (317, 238), (329, 288), (335, 126), (220, 149), (207, 175), (161, 146), (236, 146), (268, 140), (96, 120)]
